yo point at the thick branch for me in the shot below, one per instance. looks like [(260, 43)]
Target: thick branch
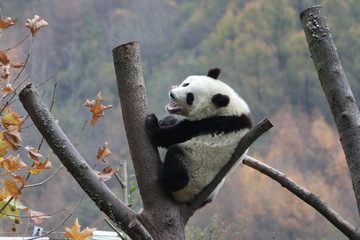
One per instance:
[(130, 81), (95, 188), (161, 215), (336, 88), (310, 198), (244, 144)]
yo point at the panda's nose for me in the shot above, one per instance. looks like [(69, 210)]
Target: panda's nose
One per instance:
[(171, 94)]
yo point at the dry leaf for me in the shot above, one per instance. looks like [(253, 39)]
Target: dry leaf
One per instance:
[(35, 24), (6, 22), (39, 167), (74, 231), (13, 163), (37, 216), (11, 118), (104, 151), (12, 136), (8, 88), (19, 179), (33, 153), (96, 108), (107, 173), (11, 188)]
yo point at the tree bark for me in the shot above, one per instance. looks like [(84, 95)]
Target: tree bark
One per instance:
[(336, 88)]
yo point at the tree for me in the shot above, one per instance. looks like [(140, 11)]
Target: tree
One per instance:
[(162, 218)]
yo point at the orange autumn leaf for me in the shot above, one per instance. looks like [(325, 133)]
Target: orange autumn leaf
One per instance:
[(19, 179), (11, 188), (6, 22), (12, 136), (8, 88), (39, 167), (33, 153), (11, 118), (96, 108), (75, 233), (104, 151), (13, 163)]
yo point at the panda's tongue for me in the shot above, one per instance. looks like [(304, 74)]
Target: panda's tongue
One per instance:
[(173, 107)]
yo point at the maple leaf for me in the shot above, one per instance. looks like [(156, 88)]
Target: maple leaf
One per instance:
[(106, 173), (13, 163), (104, 151), (6, 22), (96, 108), (11, 118), (74, 231), (35, 24), (33, 153), (12, 136), (39, 166), (11, 188)]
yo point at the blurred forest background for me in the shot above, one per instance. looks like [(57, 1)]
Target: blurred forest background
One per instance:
[(261, 48)]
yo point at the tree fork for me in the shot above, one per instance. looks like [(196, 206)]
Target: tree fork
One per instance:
[(336, 88)]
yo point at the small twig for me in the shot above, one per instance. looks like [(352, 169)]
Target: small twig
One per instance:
[(46, 180), (114, 228), (81, 133), (123, 185), (16, 45), (26, 60), (310, 198)]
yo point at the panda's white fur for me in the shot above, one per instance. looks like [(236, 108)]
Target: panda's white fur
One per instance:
[(216, 118)]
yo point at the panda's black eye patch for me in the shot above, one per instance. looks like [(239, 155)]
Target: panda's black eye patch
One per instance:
[(185, 84), (190, 98)]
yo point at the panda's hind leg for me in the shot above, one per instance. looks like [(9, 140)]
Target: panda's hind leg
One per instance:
[(173, 174)]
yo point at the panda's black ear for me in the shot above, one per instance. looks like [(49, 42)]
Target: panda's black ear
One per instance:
[(220, 100), (214, 73)]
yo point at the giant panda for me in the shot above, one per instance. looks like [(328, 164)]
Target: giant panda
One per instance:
[(215, 118)]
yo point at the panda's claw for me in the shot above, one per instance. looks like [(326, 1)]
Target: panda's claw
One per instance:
[(152, 125)]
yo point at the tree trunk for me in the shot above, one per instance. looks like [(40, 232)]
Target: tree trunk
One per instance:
[(336, 88), (161, 216)]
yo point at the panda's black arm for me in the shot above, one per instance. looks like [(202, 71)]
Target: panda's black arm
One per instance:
[(165, 136)]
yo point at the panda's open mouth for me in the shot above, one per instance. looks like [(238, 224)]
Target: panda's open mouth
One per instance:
[(173, 107)]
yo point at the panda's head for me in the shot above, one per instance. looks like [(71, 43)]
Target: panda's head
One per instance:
[(199, 97)]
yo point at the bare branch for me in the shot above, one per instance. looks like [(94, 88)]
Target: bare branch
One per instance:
[(95, 188), (336, 88), (310, 198)]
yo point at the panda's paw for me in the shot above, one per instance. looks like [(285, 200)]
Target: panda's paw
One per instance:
[(152, 125), (168, 121)]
